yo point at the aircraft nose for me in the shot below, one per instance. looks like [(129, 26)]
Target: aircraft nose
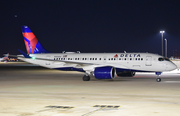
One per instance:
[(170, 66), (173, 66)]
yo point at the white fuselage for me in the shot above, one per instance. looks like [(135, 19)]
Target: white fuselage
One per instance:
[(137, 62)]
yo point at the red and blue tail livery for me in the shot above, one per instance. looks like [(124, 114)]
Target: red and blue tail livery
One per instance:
[(31, 42)]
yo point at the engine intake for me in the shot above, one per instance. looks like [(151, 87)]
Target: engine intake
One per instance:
[(104, 72)]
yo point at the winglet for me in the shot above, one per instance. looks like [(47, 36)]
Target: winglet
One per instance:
[(24, 54)]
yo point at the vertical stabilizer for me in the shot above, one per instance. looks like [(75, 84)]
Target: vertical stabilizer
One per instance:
[(31, 42)]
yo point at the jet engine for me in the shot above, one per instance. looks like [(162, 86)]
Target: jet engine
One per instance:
[(125, 74), (104, 72)]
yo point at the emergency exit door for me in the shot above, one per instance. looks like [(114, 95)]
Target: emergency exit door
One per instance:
[(148, 60)]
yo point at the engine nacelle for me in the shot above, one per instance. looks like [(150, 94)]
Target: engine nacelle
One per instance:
[(104, 73), (125, 74)]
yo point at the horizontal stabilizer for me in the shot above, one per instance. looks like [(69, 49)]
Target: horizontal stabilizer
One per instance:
[(24, 54)]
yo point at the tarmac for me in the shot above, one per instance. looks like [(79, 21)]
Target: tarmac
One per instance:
[(30, 90)]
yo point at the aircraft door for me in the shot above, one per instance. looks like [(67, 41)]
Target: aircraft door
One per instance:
[(47, 62), (148, 60)]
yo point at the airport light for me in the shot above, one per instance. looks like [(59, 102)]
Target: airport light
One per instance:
[(162, 40), (165, 48)]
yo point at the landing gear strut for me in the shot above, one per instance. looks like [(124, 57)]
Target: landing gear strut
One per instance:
[(86, 78), (158, 79)]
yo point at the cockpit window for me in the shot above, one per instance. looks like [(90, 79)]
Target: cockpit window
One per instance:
[(162, 59), (167, 59)]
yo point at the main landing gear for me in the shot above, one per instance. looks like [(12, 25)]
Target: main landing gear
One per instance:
[(158, 79), (86, 78)]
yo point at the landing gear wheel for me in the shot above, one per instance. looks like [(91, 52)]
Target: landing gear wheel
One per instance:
[(86, 78), (158, 75), (158, 79)]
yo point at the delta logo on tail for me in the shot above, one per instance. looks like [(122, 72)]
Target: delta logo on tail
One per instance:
[(31, 42)]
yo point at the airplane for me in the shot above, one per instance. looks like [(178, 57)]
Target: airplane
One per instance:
[(100, 65), (4, 58)]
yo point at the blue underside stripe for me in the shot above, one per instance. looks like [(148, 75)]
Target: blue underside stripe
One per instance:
[(132, 70), (81, 70), (71, 69)]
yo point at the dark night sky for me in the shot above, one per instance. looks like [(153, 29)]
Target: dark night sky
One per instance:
[(91, 25)]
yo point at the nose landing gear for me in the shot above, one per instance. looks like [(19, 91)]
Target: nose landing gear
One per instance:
[(158, 79)]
